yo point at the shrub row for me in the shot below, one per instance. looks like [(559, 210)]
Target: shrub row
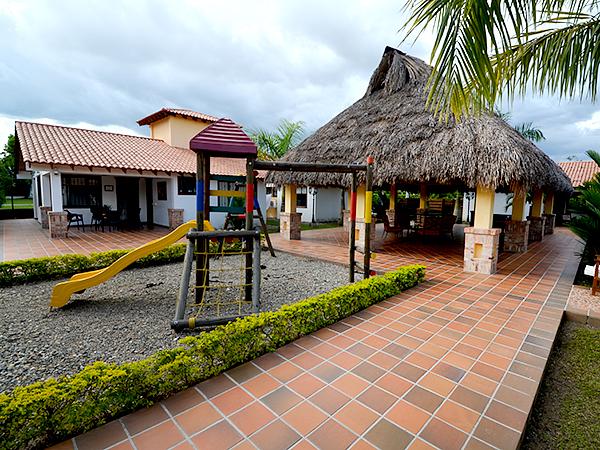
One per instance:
[(52, 410), (63, 266)]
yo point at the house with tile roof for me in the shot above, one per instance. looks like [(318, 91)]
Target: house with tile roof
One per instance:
[(77, 169), (579, 172)]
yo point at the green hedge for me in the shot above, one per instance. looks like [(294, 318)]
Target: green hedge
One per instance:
[(52, 410), (62, 266)]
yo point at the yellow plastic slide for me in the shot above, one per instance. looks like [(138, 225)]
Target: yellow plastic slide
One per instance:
[(80, 282)]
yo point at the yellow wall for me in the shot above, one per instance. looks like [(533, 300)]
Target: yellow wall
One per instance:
[(518, 206), (290, 198), (176, 131), (423, 196), (360, 201), (536, 207), (549, 203), (484, 207)]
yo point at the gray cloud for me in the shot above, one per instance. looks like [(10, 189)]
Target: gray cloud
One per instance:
[(111, 63)]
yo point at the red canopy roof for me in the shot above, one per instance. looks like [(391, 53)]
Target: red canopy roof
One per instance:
[(224, 138)]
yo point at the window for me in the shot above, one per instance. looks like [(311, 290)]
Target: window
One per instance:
[(81, 191), (230, 201), (186, 185), (301, 197), (161, 190), (271, 190)]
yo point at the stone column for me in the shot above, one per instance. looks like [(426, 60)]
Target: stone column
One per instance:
[(550, 221), (360, 234), (289, 220), (516, 236), (44, 210), (391, 212), (175, 218), (516, 230), (346, 219), (481, 241), (481, 250), (289, 225), (57, 222), (536, 228)]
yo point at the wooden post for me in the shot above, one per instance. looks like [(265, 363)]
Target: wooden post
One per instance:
[(422, 196), (249, 225), (201, 162), (368, 212), (596, 275), (393, 195), (352, 239)]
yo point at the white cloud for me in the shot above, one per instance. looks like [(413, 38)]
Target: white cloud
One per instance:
[(593, 123)]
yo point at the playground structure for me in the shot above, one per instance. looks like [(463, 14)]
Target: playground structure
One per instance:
[(234, 291)]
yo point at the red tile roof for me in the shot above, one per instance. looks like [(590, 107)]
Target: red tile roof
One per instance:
[(224, 137), (59, 145), (187, 113), (579, 171)]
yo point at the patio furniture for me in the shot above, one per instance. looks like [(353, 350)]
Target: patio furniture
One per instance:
[(75, 218), (435, 225), (387, 228)]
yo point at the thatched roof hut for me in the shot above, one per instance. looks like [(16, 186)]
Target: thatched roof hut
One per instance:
[(410, 145)]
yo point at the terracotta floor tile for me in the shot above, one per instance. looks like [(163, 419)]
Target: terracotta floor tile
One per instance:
[(408, 371), (394, 384), (419, 444), (232, 400), (215, 386), (144, 418), (219, 436), (407, 416), (442, 435), (285, 372), (450, 372), (385, 435), (276, 436), (290, 350), (307, 360), (421, 360), (361, 444), (368, 371), (65, 445), (327, 372), (356, 417), (329, 399), (268, 361), (281, 400), (164, 435), (261, 385), (457, 415), (332, 435), (479, 384), (423, 398), (383, 360), (507, 415), (198, 418), (102, 437), (497, 435), (244, 372), (305, 417), (252, 418), (438, 384), (516, 399), (345, 360), (183, 401), (306, 384), (126, 445), (377, 399), (350, 384), (304, 444)]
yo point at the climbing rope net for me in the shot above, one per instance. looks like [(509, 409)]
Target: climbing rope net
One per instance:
[(226, 284)]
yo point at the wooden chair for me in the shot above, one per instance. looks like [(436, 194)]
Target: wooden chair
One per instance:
[(74, 218), (387, 228)]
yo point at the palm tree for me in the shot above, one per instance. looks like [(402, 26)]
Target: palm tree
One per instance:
[(526, 129), (486, 49), (274, 144), (586, 205)]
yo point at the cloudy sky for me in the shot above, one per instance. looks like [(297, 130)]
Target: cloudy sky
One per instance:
[(105, 64)]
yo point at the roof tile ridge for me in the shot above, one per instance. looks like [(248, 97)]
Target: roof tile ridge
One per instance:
[(68, 127)]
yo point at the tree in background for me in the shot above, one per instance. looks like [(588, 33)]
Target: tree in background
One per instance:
[(586, 206), (273, 145), (8, 173), (486, 49)]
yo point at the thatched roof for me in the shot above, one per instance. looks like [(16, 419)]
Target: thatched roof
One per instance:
[(410, 145)]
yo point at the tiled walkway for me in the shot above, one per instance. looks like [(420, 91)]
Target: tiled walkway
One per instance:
[(25, 238), (453, 363)]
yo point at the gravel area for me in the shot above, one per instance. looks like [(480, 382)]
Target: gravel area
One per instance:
[(581, 297), (125, 319)]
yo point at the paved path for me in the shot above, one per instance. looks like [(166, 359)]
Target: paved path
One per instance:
[(453, 363), (25, 238)]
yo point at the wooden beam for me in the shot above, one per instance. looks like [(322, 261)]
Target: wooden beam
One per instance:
[(308, 167)]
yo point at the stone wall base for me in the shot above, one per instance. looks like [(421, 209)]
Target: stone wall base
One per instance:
[(550, 223), (44, 210), (360, 233), (391, 215), (481, 250), (57, 223), (175, 218), (289, 225), (536, 228), (516, 236)]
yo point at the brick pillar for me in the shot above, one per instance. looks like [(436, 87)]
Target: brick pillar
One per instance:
[(44, 210), (360, 233), (550, 221), (289, 225), (57, 222), (391, 214), (346, 219), (175, 218), (536, 228), (481, 250), (516, 236)]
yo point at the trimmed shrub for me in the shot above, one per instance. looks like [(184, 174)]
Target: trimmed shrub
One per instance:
[(52, 410)]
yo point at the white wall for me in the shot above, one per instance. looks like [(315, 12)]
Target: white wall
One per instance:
[(327, 208), (161, 207), (499, 206)]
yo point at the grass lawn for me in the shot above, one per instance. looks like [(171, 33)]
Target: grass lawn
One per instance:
[(20, 203), (566, 413), (273, 225)]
